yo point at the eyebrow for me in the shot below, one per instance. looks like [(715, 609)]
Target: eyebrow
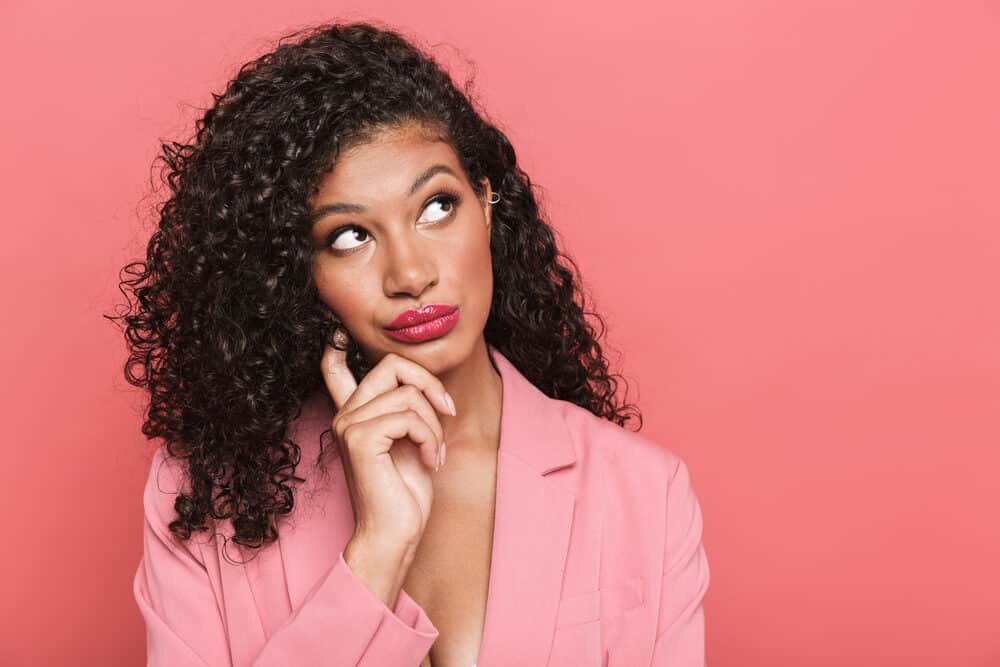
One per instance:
[(342, 207)]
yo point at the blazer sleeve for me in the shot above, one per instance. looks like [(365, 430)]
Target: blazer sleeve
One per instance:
[(341, 622), (680, 635)]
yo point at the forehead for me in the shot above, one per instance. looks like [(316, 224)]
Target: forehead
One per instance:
[(385, 165)]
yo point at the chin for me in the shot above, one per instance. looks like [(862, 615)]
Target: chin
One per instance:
[(439, 354)]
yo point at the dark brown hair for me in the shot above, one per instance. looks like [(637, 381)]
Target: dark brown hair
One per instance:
[(226, 329)]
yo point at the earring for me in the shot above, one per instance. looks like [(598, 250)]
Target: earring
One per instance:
[(494, 198)]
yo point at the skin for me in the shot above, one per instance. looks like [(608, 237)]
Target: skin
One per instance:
[(403, 259), (409, 250)]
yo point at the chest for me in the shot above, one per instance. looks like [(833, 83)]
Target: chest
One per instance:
[(450, 573)]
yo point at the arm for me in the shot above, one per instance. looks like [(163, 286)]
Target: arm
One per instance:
[(341, 623), (680, 635)]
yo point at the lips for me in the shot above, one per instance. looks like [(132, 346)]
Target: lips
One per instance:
[(410, 318)]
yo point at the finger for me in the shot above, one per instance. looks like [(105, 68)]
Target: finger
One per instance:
[(395, 371), (396, 400), (394, 426), (337, 376)]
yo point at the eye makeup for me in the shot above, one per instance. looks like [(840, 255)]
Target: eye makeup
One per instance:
[(445, 197)]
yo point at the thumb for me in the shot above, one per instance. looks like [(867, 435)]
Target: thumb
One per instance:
[(339, 381)]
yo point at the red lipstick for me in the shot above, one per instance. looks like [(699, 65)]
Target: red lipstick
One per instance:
[(415, 326)]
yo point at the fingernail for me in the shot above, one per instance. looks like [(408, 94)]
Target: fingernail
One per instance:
[(444, 453), (450, 402)]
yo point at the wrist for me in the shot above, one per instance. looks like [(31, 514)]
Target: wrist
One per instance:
[(381, 569)]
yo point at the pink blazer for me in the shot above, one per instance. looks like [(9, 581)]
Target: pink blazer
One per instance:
[(597, 560)]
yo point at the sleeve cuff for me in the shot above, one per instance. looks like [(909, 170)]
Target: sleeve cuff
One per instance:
[(405, 630)]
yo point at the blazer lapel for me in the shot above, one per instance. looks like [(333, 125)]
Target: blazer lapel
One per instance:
[(532, 520), (531, 528)]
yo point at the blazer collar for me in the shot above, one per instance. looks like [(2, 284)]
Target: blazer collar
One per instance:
[(532, 523), (531, 532), (531, 423)]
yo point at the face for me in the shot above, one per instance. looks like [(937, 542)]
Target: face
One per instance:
[(396, 227)]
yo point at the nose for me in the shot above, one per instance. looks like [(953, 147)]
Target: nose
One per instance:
[(410, 267)]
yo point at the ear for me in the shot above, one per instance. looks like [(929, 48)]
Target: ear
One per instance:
[(487, 195)]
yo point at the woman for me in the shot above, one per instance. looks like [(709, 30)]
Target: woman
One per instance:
[(350, 249)]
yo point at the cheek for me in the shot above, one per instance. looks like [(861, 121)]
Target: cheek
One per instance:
[(474, 266), (341, 294)]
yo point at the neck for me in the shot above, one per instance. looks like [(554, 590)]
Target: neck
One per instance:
[(477, 389)]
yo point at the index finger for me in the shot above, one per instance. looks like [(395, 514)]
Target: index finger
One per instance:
[(398, 371), (337, 376)]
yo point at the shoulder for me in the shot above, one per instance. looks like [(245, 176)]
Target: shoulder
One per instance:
[(630, 453), (634, 474), (641, 491), (307, 428), (168, 476), (165, 480)]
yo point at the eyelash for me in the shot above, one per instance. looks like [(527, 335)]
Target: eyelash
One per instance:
[(445, 196)]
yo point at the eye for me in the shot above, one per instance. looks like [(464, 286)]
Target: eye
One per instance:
[(446, 208), (447, 204), (340, 233)]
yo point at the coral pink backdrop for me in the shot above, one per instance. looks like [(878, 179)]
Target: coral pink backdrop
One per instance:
[(787, 212)]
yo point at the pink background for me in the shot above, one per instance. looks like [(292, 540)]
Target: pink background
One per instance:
[(787, 212)]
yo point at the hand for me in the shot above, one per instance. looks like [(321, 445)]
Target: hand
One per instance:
[(389, 437)]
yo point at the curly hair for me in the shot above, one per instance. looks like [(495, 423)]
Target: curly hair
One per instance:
[(226, 329)]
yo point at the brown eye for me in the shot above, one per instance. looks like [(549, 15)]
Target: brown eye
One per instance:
[(445, 204), (346, 233)]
